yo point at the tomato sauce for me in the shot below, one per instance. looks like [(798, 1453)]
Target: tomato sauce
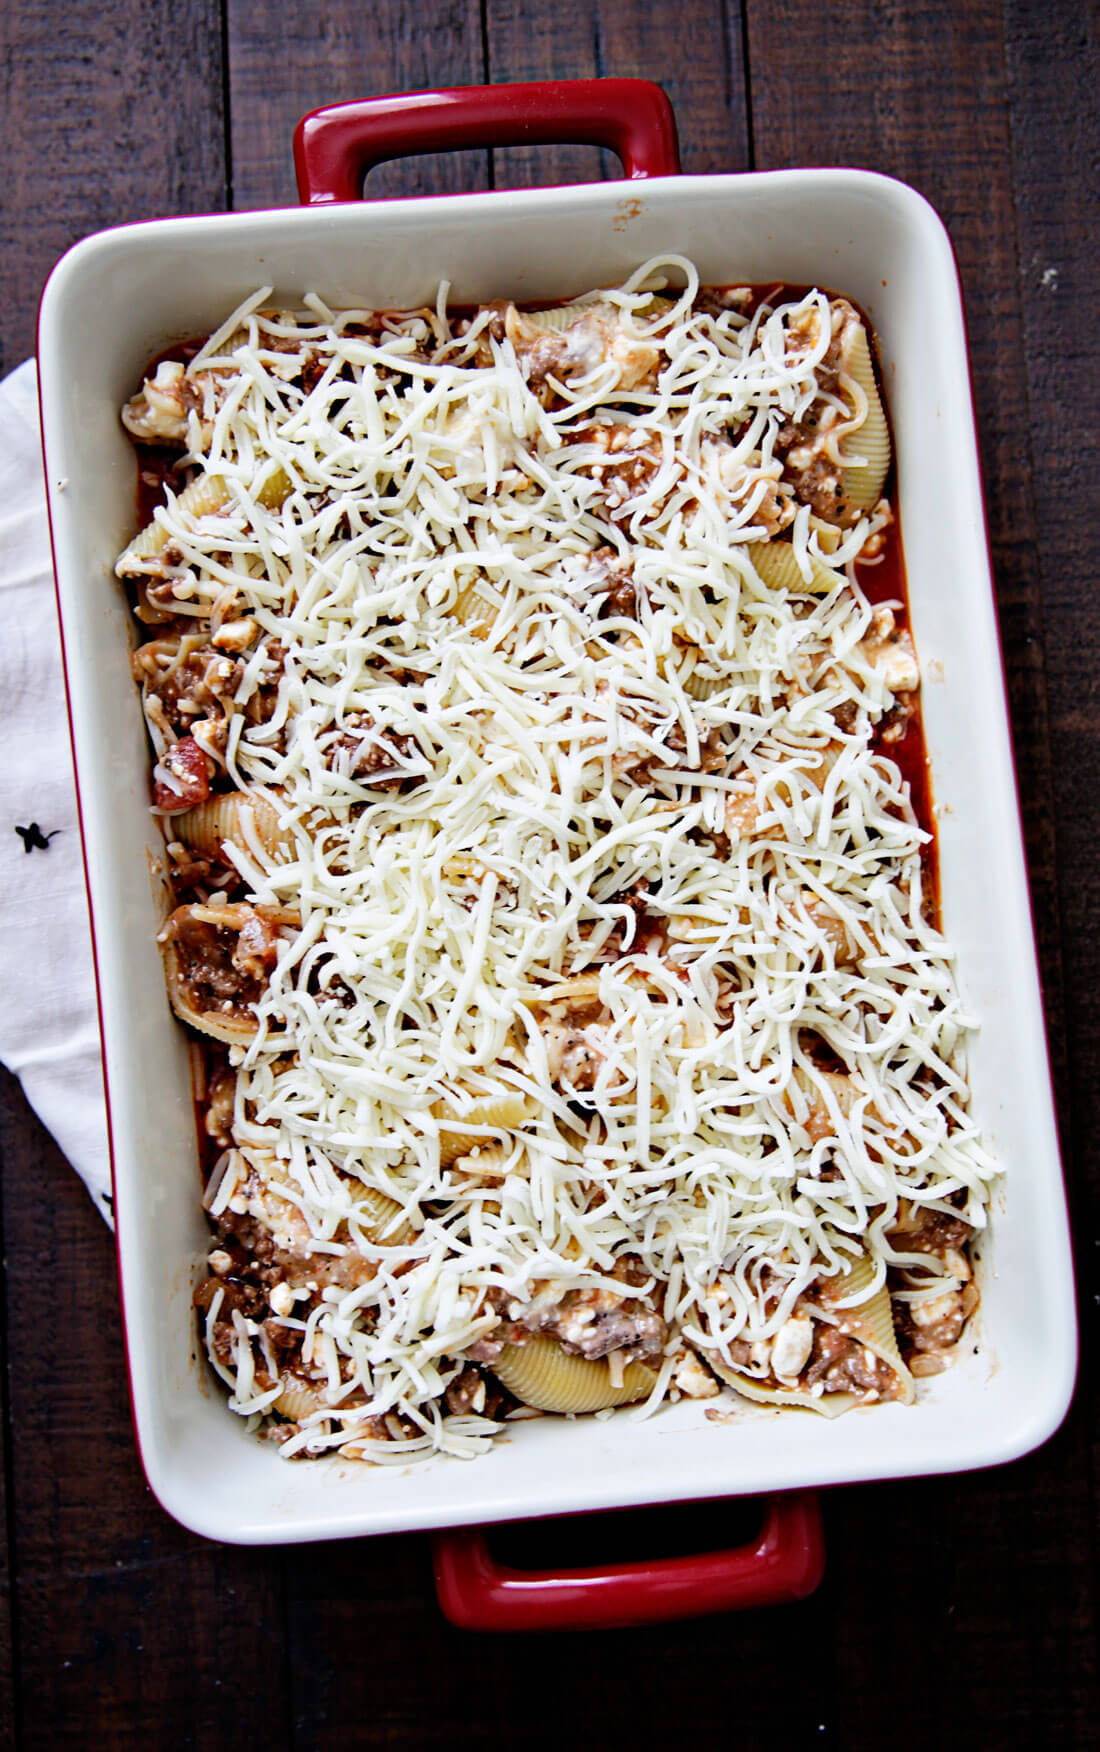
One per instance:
[(883, 580)]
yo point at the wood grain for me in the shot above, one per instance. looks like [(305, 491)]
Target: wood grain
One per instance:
[(111, 114), (1055, 120), (119, 1610), (116, 1627), (116, 1610), (644, 1687), (978, 1629), (289, 56), (630, 39)]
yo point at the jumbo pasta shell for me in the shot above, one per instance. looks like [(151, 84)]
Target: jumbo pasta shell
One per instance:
[(776, 566), (704, 687), (202, 497), (872, 1322), (226, 349), (243, 818), (376, 1213), (498, 1113), (541, 1374), (232, 1030), (476, 612), (826, 1404), (863, 483), (219, 1024), (298, 1399), (523, 324)]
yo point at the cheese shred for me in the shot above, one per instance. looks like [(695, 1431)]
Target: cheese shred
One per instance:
[(601, 994)]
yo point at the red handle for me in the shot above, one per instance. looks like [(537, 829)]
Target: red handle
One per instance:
[(785, 1562), (334, 148)]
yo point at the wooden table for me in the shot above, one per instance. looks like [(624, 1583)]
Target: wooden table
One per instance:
[(957, 1612)]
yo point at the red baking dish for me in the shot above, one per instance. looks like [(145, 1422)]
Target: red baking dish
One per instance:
[(119, 298)]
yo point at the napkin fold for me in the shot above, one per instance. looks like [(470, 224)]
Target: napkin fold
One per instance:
[(49, 1027)]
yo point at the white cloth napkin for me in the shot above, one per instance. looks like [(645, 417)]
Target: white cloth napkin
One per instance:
[(49, 1029)]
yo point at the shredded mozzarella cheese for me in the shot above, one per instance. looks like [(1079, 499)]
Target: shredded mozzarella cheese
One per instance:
[(498, 776)]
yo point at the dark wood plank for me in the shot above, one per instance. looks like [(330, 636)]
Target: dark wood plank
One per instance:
[(427, 1685), (813, 102), (285, 59), (1052, 63), (627, 39), (130, 1630), (857, 90), (111, 114), (127, 1629)]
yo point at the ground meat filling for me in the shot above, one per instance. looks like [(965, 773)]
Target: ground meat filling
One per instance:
[(625, 463), (613, 576), (380, 759), (262, 1269), (818, 481), (929, 1328), (198, 680), (548, 355), (263, 1262), (593, 1323), (221, 1087), (191, 689), (936, 1233), (224, 966), (929, 1331), (830, 1359), (473, 1393), (843, 1364), (588, 1323), (256, 1276), (572, 1053), (237, 1291)]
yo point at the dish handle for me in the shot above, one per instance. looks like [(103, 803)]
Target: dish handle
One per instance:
[(784, 1562), (335, 147)]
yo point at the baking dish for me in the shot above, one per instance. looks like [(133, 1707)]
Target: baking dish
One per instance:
[(118, 298)]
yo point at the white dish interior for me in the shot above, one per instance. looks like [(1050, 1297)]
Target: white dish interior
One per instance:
[(118, 298)]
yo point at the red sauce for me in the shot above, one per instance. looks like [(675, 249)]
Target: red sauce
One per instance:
[(157, 468), (884, 580)]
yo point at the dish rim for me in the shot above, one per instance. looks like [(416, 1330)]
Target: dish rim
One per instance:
[(204, 1514)]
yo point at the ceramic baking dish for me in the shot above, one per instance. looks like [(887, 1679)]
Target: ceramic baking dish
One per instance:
[(118, 298)]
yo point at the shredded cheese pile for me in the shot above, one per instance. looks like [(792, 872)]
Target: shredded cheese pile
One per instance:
[(673, 816)]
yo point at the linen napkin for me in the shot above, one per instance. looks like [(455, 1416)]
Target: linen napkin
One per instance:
[(49, 1029)]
